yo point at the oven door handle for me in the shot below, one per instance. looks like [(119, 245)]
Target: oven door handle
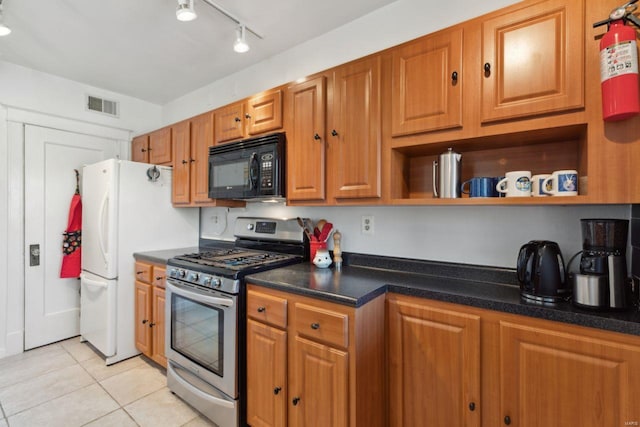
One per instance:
[(227, 302), (200, 393)]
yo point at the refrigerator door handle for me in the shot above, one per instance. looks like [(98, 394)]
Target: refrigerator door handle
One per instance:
[(93, 283), (101, 242)]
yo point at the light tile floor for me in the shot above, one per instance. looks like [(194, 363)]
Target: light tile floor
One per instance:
[(67, 384)]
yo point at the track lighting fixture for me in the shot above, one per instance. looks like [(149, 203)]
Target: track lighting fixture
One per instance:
[(185, 10), (240, 45), (4, 30)]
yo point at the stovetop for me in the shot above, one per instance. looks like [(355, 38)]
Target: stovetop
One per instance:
[(234, 259)]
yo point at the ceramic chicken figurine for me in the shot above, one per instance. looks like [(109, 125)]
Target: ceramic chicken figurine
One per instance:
[(337, 252)]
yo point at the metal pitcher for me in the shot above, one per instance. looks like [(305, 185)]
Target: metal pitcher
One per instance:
[(446, 175)]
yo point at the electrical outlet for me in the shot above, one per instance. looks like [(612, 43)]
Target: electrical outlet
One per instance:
[(366, 227)]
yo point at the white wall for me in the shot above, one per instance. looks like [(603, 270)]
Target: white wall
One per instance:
[(484, 235), (31, 90), (398, 22)]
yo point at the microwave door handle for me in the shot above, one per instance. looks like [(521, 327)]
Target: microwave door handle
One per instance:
[(253, 171), (227, 302)]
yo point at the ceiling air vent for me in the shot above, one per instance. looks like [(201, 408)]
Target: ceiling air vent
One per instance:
[(102, 105)]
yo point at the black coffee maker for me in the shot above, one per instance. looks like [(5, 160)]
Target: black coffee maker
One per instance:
[(603, 282)]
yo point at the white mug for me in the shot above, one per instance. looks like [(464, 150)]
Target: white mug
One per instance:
[(515, 184), (562, 183), (537, 187)]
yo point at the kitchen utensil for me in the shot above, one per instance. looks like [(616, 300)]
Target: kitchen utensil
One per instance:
[(301, 223), (446, 175), (541, 272)]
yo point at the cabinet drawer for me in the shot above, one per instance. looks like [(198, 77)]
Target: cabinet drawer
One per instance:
[(267, 309), (144, 272), (159, 276), (322, 325)]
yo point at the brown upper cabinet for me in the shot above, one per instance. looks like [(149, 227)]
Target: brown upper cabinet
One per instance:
[(154, 147), (259, 114), (191, 141), (533, 60), (426, 84), (355, 141), (305, 104), (160, 147), (140, 149)]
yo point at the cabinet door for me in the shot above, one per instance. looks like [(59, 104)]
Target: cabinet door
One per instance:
[(264, 113), (318, 385), (427, 88), (355, 141), (159, 276), (266, 375), (157, 327), (140, 149), (434, 365), (201, 140), (143, 317), (160, 147), (550, 378), (181, 163), (306, 150), (229, 122), (533, 60)]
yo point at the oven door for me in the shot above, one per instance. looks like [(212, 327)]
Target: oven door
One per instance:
[(201, 326)]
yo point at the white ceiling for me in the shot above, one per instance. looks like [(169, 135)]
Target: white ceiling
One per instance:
[(139, 48)]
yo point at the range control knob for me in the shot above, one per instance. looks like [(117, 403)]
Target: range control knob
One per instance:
[(182, 273), (193, 277), (206, 281), (250, 226), (216, 282), (173, 272)]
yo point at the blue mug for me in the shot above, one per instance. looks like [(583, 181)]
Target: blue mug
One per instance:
[(481, 186)]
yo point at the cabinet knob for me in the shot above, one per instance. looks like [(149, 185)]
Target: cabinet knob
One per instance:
[(295, 401), (261, 309), (334, 133), (487, 69), (507, 420), (143, 150), (316, 137), (472, 406), (139, 272), (247, 115), (454, 77), (192, 160), (238, 119), (160, 278), (144, 321), (277, 390), (315, 326), (151, 325), (184, 162)]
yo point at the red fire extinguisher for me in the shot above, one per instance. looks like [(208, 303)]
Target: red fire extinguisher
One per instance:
[(619, 64)]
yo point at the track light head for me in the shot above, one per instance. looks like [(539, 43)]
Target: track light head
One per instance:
[(240, 45), (4, 30), (185, 10)]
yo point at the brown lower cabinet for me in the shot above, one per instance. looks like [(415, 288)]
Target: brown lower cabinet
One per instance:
[(313, 363), (149, 315), (453, 365)]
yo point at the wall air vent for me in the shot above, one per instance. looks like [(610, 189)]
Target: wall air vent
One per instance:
[(101, 105)]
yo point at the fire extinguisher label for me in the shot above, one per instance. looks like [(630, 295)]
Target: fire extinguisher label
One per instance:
[(618, 59)]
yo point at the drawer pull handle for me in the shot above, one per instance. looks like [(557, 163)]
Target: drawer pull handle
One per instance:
[(315, 326), (277, 390), (295, 401), (487, 69), (160, 278), (472, 406), (454, 77), (261, 309), (507, 420), (139, 272)]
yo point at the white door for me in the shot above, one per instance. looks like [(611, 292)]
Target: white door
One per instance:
[(52, 304)]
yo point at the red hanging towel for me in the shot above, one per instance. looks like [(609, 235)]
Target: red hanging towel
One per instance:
[(73, 237)]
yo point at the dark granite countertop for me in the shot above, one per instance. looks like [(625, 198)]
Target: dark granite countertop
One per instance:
[(161, 257), (363, 277)]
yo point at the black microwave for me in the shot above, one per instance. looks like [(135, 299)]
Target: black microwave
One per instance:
[(248, 169)]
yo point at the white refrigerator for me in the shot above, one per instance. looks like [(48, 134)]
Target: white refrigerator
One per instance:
[(126, 208)]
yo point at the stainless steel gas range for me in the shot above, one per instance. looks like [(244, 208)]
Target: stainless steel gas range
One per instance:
[(205, 313)]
